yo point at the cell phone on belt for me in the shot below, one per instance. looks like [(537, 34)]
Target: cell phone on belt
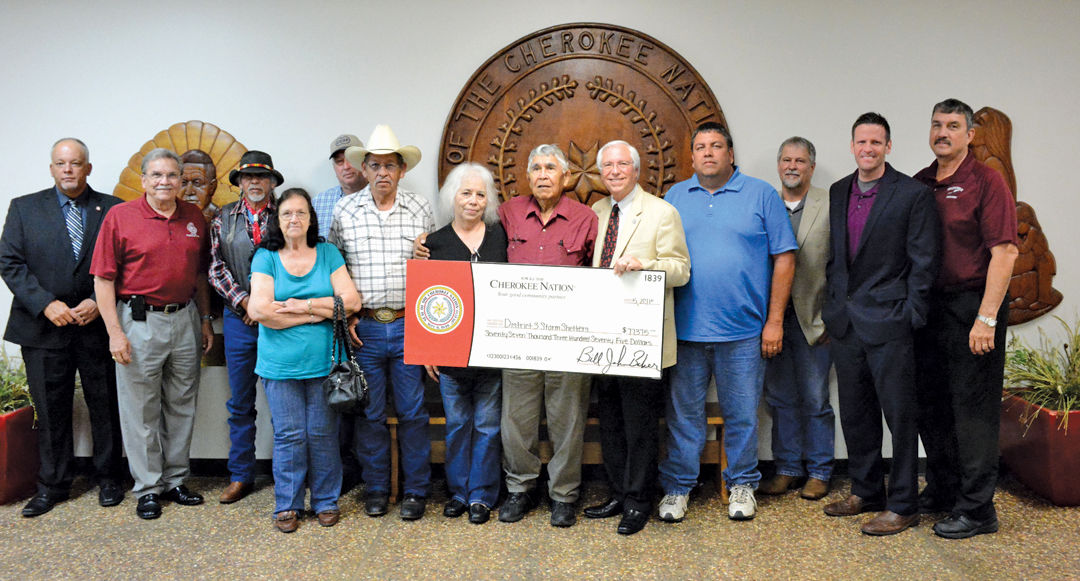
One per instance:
[(138, 308)]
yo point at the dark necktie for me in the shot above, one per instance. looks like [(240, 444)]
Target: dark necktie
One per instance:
[(610, 238), (74, 227)]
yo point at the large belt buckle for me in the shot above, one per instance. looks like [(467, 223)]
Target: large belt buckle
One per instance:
[(172, 308), (384, 315)]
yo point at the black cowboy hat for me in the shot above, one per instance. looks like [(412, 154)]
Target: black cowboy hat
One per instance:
[(255, 162)]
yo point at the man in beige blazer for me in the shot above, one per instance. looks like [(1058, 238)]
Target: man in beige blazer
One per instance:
[(797, 380), (637, 231)]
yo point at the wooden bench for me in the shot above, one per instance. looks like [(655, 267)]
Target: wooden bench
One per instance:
[(713, 454)]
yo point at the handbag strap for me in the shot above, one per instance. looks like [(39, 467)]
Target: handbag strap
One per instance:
[(335, 345), (341, 333)]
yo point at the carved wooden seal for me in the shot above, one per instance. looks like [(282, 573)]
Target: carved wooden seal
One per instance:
[(220, 145), (1031, 287), (579, 86)]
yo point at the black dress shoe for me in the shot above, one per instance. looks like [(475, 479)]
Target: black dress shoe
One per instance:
[(963, 527), (41, 504), (110, 493), (478, 513), (516, 506), (454, 508), (605, 510), (181, 495), (563, 514), (149, 506), (632, 521), (412, 507), (376, 503)]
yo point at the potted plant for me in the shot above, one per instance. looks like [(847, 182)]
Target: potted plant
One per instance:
[(18, 438), (1041, 399)]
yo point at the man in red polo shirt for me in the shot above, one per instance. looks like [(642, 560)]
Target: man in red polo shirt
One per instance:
[(547, 227), (960, 354), (149, 268)]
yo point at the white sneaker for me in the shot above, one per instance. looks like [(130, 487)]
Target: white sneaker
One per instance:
[(743, 505), (673, 507)]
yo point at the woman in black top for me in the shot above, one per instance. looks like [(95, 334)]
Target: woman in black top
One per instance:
[(472, 397)]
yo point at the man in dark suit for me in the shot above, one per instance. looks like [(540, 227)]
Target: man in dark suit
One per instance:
[(885, 247), (45, 253)]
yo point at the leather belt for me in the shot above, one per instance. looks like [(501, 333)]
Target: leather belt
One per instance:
[(383, 315), (167, 309)]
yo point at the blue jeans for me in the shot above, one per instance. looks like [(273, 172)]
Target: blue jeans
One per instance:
[(382, 358), (797, 390), (739, 370), (473, 445), (305, 445), (240, 353)]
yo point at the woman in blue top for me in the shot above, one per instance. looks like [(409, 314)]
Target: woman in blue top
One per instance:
[(294, 278)]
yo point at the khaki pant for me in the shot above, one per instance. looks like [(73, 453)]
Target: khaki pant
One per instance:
[(565, 398), (156, 396)]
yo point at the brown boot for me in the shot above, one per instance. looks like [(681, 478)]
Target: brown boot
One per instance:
[(234, 492), (851, 506), (287, 521), (778, 484), (815, 489), (889, 523)]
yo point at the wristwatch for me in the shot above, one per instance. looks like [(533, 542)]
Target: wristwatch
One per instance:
[(989, 322), (208, 317)]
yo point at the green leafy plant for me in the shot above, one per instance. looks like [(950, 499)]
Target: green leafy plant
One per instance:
[(1047, 375), (14, 391)]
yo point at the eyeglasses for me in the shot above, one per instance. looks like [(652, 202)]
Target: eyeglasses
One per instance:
[(299, 215), (376, 166), (158, 176), (623, 165)]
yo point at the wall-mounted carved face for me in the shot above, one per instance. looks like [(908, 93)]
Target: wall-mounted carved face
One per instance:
[(198, 181)]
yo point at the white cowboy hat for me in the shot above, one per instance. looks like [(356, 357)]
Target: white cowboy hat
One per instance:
[(383, 141)]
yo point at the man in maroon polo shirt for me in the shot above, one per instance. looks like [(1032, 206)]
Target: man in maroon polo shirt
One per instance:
[(960, 354), (545, 228), (150, 276)]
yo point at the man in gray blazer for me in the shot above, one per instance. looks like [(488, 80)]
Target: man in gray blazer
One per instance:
[(797, 380)]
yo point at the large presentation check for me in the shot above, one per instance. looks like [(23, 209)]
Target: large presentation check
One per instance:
[(550, 318)]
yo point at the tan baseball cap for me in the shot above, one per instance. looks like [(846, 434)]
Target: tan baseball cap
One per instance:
[(344, 141)]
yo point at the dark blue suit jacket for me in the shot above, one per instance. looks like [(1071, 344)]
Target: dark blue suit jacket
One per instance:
[(37, 264), (881, 294)]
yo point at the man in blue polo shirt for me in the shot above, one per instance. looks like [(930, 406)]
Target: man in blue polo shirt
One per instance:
[(728, 318)]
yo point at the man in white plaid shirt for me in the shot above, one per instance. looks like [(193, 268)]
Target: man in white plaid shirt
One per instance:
[(375, 229)]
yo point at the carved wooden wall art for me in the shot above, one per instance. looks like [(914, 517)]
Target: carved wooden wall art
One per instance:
[(579, 86), (1031, 287), (222, 148), (225, 151)]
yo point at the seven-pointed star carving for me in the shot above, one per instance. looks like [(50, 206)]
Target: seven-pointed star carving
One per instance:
[(585, 174)]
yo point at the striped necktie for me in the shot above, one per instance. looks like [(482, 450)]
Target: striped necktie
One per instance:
[(74, 227)]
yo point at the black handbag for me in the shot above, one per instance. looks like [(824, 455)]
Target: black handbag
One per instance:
[(346, 388)]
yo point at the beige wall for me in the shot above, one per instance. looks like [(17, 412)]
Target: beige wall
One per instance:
[(286, 77)]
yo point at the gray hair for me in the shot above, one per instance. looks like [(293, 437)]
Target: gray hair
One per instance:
[(800, 142), (160, 153), (85, 149), (549, 149), (954, 106), (449, 190), (633, 153)]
